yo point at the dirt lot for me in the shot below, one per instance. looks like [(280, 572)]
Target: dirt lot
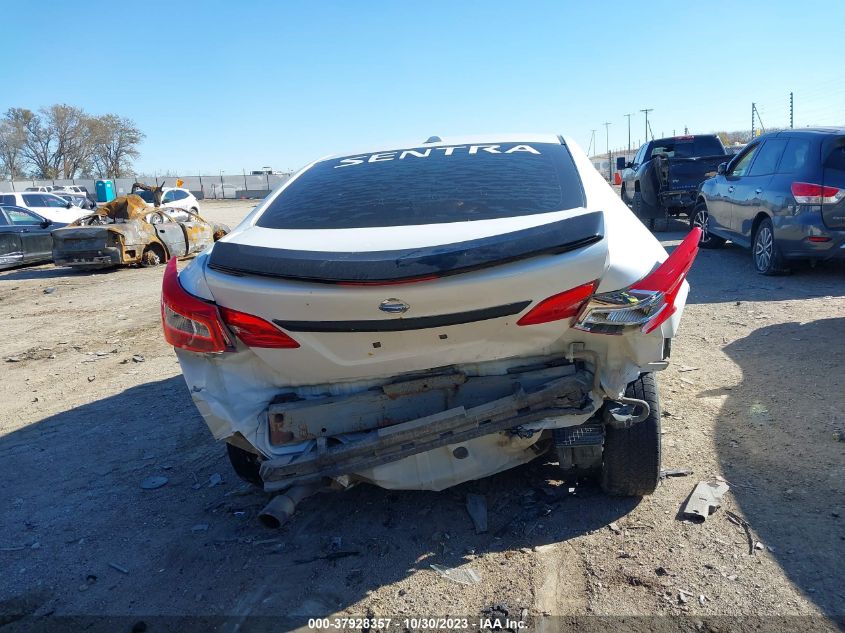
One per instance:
[(94, 403)]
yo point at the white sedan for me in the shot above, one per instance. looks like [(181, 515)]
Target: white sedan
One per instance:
[(421, 316), (47, 205), (174, 198)]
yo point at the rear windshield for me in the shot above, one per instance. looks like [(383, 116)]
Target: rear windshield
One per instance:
[(429, 185), (688, 147)]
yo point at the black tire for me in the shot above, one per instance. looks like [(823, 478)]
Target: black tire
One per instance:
[(245, 464), (701, 219), (623, 193), (631, 460), (765, 252), (637, 204)]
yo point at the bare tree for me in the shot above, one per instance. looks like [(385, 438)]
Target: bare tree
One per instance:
[(12, 139), (116, 141), (39, 148)]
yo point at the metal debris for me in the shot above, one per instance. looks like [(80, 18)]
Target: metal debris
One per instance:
[(49, 291), (745, 525), (704, 500), (477, 508), (154, 481), (465, 576), (137, 358), (675, 472)]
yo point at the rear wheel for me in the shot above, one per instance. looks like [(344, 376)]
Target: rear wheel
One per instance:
[(153, 256), (765, 251), (631, 460), (701, 219)]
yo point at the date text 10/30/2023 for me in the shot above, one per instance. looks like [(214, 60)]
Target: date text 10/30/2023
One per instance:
[(414, 623)]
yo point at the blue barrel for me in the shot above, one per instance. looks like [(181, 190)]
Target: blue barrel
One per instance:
[(105, 190)]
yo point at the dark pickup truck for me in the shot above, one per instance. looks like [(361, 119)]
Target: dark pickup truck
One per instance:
[(663, 179)]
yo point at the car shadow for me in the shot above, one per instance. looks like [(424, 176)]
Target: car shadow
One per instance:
[(779, 439), (45, 271), (78, 524)]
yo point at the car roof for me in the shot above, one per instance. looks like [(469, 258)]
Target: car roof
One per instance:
[(446, 141)]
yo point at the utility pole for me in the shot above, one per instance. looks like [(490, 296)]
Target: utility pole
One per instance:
[(629, 132), (791, 111), (646, 111), (753, 110), (607, 143), (592, 143)]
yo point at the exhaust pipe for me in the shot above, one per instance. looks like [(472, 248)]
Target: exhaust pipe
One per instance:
[(281, 507)]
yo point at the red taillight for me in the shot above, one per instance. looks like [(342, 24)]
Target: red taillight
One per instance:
[(255, 331), (818, 239), (808, 193), (189, 322), (669, 276), (196, 325), (559, 306)]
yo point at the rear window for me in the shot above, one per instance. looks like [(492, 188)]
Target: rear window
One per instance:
[(836, 159), (688, 147), (429, 185)]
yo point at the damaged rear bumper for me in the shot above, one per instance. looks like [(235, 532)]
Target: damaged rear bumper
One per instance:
[(453, 428)]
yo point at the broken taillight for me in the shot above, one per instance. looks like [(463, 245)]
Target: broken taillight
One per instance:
[(649, 302), (197, 325)]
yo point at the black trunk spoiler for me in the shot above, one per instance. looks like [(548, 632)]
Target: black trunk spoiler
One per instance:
[(409, 264)]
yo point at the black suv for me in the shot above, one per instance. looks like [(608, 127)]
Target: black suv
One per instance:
[(783, 196)]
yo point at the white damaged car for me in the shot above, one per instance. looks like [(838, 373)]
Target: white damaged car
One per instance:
[(422, 316)]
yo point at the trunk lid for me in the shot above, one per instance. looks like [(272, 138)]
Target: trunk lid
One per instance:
[(379, 312)]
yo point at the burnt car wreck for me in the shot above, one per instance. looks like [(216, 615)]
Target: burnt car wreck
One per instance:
[(126, 232)]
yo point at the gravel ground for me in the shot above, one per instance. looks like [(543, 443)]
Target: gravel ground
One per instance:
[(95, 403)]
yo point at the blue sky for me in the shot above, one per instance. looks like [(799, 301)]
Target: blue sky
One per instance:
[(238, 85)]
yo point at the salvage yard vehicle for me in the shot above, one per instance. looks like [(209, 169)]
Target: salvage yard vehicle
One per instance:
[(125, 231), (663, 178), (423, 316), (173, 197), (24, 237), (47, 205), (783, 197)]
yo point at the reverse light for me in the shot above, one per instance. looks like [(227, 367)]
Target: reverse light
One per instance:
[(649, 302), (808, 193), (560, 306), (189, 322)]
